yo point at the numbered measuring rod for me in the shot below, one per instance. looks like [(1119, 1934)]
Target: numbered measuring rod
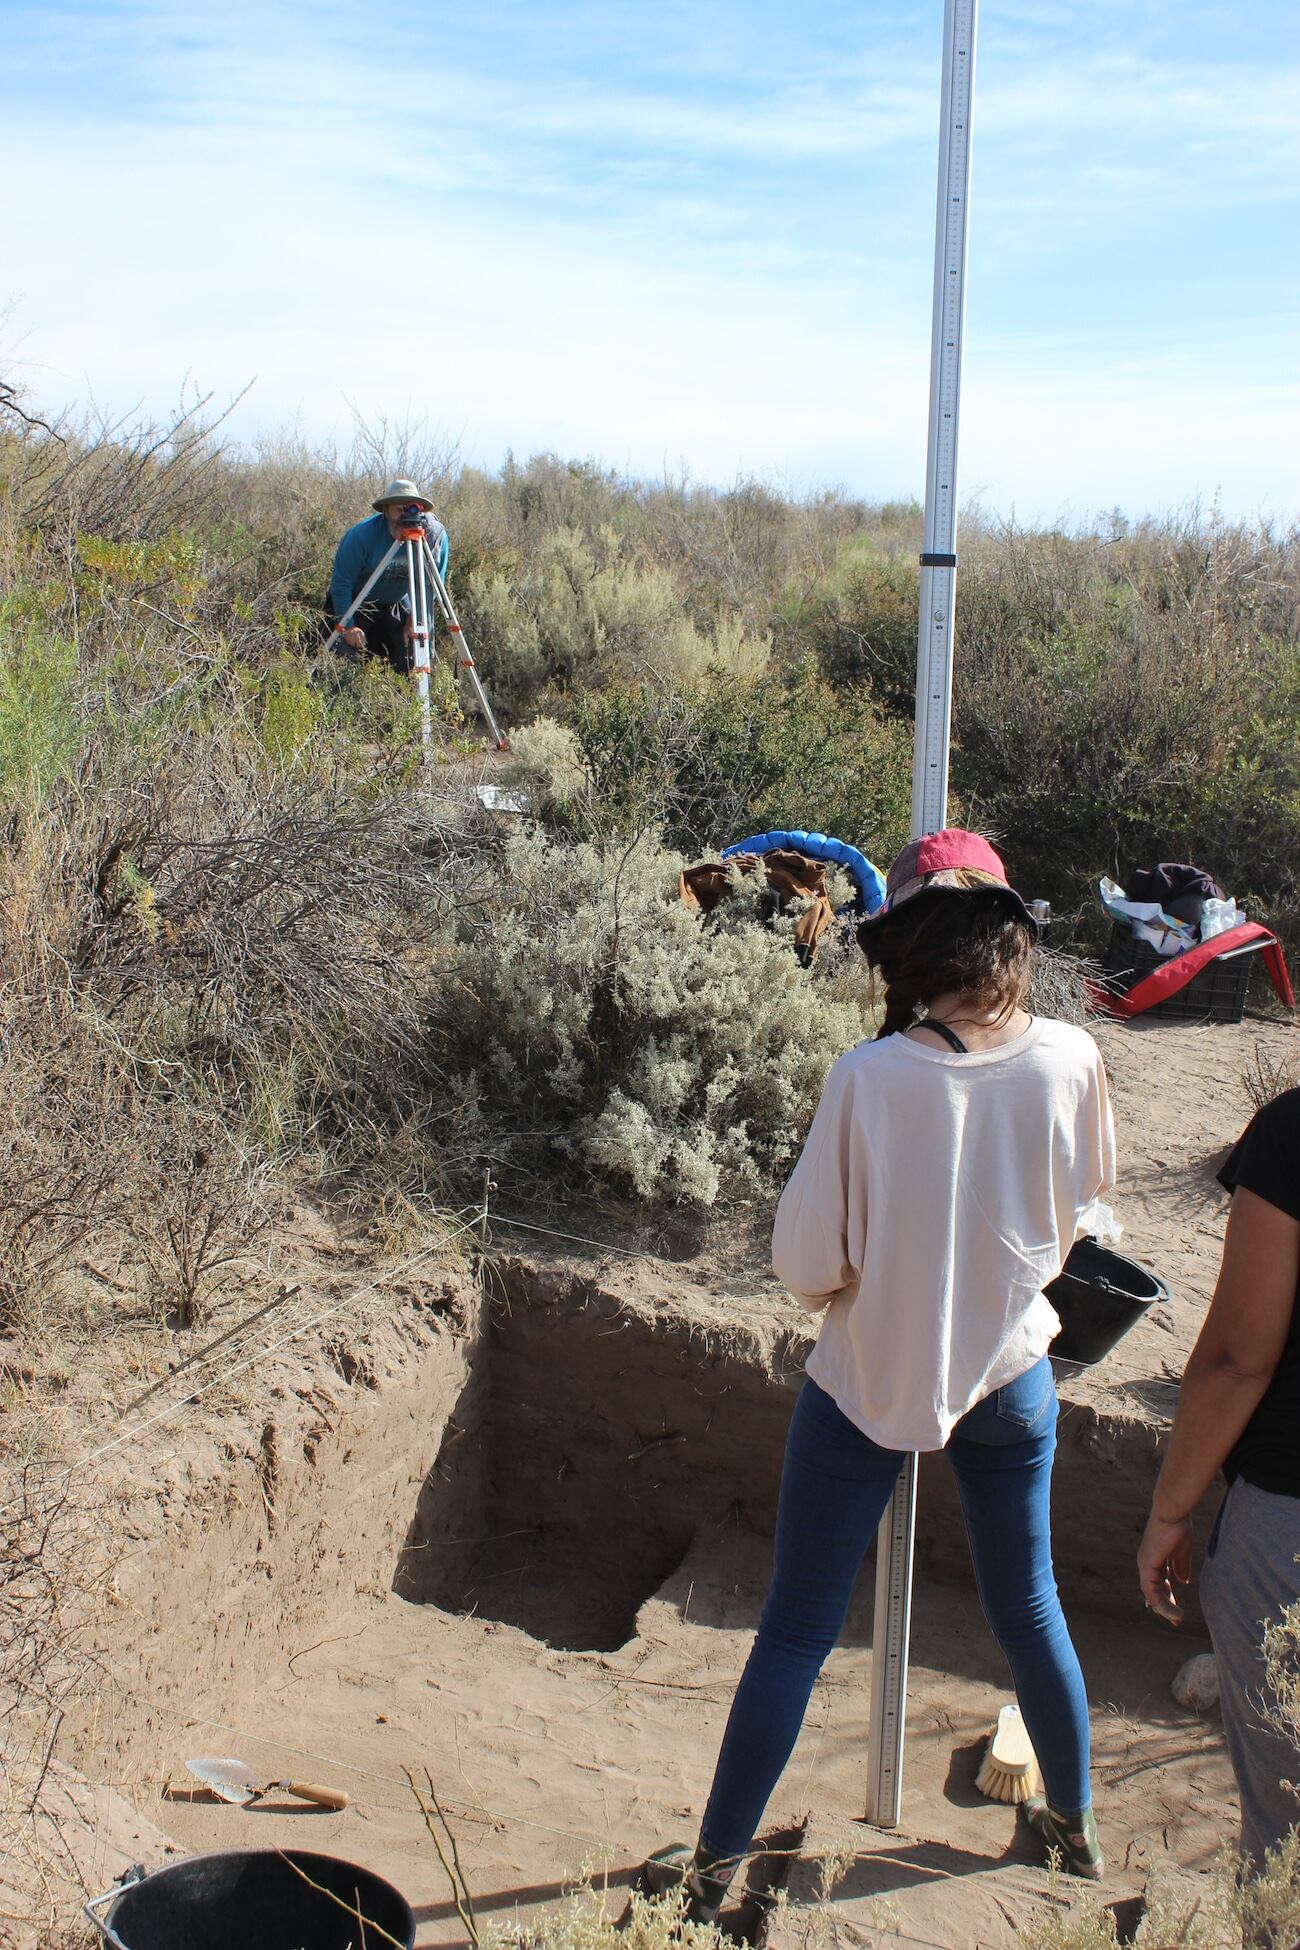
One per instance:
[(934, 653)]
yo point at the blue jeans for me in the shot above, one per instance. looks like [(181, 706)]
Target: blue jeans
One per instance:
[(834, 1490)]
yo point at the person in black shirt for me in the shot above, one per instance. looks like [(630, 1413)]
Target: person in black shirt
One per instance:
[(1239, 1410)]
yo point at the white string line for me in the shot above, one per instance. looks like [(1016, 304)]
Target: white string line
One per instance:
[(581, 1239), (478, 1814), (242, 1328), (192, 1395), (375, 1286)]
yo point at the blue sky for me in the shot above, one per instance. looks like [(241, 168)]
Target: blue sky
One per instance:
[(688, 237)]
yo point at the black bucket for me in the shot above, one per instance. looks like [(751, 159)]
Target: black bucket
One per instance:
[(1098, 1295), (255, 1899)]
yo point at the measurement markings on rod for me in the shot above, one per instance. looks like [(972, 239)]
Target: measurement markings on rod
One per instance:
[(929, 799)]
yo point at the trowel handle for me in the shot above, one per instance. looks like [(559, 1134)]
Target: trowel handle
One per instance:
[(322, 1796)]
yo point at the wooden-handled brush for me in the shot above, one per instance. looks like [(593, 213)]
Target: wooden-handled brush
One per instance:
[(1009, 1771)]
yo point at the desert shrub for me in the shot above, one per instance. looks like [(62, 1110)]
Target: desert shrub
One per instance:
[(292, 712), (715, 762), (1119, 703), (546, 763), (583, 610), (506, 640), (863, 626), (39, 734), (610, 1030), (204, 960)]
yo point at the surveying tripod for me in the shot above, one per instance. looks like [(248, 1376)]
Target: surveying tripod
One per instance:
[(423, 573)]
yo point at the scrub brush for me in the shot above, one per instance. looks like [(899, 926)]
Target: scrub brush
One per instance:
[(1009, 1771)]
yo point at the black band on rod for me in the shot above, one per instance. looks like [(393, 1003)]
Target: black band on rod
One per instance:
[(932, 561)]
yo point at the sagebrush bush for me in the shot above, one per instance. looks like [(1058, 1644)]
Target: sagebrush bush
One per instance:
[(584, 610), (722, 760), (614, 1034), (546, 763)]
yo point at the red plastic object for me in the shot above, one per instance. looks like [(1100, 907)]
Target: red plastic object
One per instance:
[(1179, 970)]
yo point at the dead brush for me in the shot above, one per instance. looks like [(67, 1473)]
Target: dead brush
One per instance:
[(207, 969), (203, 1220), (66, 1159), (1266, 1076), (55, 1580)]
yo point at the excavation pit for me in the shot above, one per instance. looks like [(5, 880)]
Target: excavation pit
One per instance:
[(518, 1543), (590, 1444)]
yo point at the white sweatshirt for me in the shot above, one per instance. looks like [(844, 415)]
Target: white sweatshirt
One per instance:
[(935, 1198)]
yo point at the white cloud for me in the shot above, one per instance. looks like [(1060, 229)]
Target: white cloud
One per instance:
[(644, 272)]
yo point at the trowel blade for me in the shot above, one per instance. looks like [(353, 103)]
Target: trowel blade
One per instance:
[(228, 1778)]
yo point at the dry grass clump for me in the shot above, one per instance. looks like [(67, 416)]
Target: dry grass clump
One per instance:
[(1266, 1076), (588, 1920)]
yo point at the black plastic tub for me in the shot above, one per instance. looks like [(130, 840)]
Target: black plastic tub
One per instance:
[(1216, 994), (257, 1899), (1098, 1295)]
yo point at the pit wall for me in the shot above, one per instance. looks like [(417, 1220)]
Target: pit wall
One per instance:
[(253, 1535), (612, 1431), (591, 1443)]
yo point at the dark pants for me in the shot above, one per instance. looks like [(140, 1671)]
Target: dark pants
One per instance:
[(834, 1489), (385, 634)]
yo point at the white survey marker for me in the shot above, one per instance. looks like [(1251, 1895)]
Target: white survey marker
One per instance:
[(893, 1614)]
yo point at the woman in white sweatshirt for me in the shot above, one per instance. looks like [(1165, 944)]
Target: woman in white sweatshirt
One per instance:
[(941, 1186)]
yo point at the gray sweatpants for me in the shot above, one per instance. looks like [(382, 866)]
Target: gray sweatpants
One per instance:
[(1250, 1576)]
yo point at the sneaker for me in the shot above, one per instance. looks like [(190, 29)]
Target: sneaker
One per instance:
[(1071, 1837), (682, 1868)]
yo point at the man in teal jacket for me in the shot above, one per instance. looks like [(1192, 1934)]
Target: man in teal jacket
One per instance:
[(383, 625)]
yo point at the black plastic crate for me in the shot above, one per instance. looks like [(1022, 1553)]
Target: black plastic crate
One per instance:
[(1216, 994)]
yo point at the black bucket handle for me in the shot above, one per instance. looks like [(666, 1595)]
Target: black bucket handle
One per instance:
[(106, 1930)]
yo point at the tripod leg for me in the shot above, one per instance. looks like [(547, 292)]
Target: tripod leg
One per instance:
[(341, 622), (463, 655)]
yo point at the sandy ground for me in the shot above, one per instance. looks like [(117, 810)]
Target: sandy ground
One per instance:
[(259, 1618)]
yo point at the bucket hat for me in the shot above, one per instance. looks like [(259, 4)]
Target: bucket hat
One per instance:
[(952, 860), (401, 490)]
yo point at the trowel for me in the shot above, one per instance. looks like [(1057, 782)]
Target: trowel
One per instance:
[(233, 1781)]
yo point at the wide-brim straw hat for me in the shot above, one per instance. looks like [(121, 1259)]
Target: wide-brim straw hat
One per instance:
[(951, 861), (400, 490)]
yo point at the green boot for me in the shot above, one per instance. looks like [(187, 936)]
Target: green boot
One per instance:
[(1073, 1837), (705, 1879)]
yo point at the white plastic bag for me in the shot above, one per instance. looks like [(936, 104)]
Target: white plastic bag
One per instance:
[(1097, 1221), (1147, 919), (1218, 916)]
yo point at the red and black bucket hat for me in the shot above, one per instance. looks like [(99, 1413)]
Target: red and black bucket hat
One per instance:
[(952, 861)]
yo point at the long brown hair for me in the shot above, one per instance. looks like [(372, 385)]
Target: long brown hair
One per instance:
[(947, 942)]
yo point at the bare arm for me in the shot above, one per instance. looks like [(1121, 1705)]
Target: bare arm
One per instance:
[(1235, 1357)]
